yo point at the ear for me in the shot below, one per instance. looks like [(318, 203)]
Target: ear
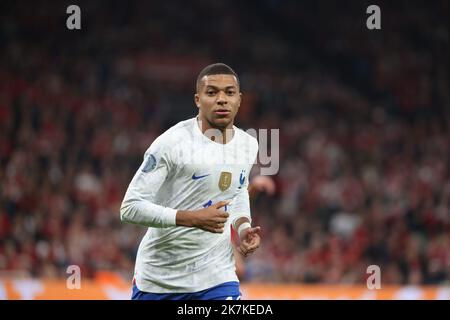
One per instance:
[(197, 100), (240, 99)]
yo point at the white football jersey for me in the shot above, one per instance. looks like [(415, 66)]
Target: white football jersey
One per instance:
[(185, 170)]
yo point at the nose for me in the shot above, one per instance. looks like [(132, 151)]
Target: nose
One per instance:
[(221, 98)]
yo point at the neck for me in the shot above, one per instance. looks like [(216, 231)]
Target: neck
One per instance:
[(217, 134)]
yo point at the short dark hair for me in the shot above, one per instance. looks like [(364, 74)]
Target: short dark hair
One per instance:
[(215, 68)]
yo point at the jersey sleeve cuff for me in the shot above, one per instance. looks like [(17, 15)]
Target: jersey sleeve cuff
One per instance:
[(170, 217)]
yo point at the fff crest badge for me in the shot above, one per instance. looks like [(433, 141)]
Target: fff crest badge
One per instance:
[(224, 181)]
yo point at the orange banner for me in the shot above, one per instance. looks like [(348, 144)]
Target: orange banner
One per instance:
[(101, 289), (342, 292)]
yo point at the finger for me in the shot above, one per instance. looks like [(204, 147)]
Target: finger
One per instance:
[(248, 252), (221, 220), (218, 230), (213, 229), (251, 238), (248, 246), (243, 252), (240, 251), (221, 204), (254, 231), (253, 248), (223, 214), (252, 243)]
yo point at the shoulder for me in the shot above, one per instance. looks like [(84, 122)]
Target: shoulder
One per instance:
[(172, 137), (247, 139)]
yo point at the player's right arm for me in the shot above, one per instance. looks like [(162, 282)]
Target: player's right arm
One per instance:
[(139, 207), (210, 219)]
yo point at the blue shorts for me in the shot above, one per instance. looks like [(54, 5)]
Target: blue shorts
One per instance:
[(224, 291)]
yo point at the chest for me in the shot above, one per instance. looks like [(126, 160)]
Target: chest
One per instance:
[(216, 170)]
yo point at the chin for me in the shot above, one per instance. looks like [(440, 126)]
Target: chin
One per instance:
[(222, 122)]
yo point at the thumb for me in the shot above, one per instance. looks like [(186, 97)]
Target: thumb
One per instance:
[(253, 231)]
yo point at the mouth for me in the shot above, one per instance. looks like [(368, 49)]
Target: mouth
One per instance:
[(222, 112)]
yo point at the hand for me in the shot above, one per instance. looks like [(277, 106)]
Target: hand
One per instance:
[(250, 241), (211, 219)]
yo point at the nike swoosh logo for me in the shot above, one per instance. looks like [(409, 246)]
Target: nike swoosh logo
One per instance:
[(194, 177)]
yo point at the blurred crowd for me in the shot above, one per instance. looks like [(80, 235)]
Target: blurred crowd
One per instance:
[(363, 115)]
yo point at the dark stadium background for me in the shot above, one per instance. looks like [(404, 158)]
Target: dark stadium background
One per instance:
[(363, 115)]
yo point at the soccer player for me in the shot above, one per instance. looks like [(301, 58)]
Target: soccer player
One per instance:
[(191, 186)]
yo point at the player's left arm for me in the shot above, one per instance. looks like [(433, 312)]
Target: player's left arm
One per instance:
[(249, 236)]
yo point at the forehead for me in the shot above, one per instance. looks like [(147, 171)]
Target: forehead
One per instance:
[(219, 80)]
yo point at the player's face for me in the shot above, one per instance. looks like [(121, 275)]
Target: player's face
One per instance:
[(218, 99)]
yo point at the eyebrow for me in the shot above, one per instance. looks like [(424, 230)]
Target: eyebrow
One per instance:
[(217, 88)]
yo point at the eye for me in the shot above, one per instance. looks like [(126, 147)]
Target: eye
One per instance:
[(210, 92), (231, 92)]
